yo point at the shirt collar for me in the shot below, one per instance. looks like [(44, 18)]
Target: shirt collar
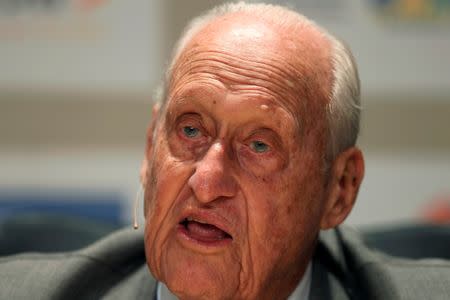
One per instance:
[(301, 292)]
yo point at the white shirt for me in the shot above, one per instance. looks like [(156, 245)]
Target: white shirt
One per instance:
[(301, 292)]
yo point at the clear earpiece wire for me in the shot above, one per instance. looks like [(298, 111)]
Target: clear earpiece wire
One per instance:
[(136, 202)]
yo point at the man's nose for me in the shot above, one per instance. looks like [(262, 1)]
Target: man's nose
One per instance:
[(213, 178)]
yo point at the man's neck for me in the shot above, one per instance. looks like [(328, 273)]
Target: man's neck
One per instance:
[(301, 292)]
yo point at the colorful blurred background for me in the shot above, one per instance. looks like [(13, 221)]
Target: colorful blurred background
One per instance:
[(76, 82)]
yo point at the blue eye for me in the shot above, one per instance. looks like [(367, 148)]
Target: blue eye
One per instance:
[(259, 146), (190, 131)]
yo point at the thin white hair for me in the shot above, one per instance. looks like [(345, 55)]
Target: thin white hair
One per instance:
[(343, 108)]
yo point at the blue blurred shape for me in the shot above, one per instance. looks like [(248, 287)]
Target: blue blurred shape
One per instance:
[(96, 206)]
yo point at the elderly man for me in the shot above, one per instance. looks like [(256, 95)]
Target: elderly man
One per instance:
[(251, 153)]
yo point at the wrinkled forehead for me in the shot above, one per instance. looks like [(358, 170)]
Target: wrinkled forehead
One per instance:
[(298, 56)]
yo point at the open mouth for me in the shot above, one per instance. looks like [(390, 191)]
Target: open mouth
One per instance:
[(203, 232)]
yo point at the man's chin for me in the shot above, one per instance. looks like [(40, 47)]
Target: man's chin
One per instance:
[(198, 290), (196, 276)]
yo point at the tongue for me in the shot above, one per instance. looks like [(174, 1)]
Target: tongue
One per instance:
[(205, 232)]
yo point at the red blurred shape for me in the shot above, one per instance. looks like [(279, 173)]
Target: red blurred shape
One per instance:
[(438, 210), (89, 4)]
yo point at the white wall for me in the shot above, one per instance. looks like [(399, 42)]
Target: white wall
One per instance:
[(394, 55), (398, 186), (115, 45), (121, 44)]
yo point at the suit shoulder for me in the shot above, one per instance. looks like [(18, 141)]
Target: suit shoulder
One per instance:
[(381, 276), (89, 273), (396, 278)]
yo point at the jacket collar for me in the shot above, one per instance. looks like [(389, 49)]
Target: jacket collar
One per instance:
[(332, 275)]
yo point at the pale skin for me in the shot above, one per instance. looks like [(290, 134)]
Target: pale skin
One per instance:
[(236, 147)]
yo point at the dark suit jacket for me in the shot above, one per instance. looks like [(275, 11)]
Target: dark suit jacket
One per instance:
[(115, 268)]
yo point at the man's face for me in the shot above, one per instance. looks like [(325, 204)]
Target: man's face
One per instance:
[(235, 189)]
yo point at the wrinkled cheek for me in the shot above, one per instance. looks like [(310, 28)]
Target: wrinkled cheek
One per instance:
[(163, 199), (158, 231), (155, 232), (278, 223), (157, 228), (151, 252), (261, 248), (157, 188)]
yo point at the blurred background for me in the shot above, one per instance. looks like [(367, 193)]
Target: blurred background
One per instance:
[(76, 82)]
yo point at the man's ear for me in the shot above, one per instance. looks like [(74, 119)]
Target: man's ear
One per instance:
[(344, 180), (149, 144)]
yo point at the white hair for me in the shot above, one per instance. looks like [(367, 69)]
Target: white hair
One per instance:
[(343, 109)]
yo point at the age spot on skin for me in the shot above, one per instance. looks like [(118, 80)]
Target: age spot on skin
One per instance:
[(290, 83)]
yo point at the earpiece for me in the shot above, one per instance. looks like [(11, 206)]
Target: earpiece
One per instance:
[(136, 201)]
